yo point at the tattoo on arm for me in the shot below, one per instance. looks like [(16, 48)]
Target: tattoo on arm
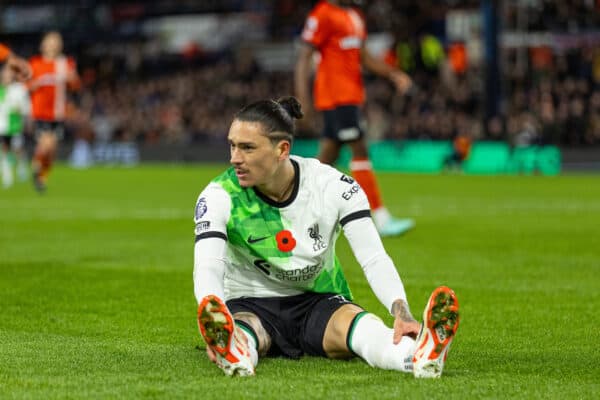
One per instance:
[(401, 311)]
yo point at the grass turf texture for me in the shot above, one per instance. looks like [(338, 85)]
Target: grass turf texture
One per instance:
[(96, 293)]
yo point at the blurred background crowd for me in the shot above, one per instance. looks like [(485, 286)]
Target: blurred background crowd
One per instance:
[(175, 72)]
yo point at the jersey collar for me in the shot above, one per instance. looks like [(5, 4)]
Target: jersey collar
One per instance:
[(290, 200)]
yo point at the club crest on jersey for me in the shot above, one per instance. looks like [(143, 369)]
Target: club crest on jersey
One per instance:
[(314, 234), (201, 208), (347, 179)]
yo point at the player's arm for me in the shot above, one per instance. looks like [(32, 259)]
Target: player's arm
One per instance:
[(381, 274), (210, 218), (401, 80), (73, 79), (19, 66), (302, 74), (378, 267)]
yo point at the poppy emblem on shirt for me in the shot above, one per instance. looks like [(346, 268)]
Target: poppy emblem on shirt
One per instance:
[(285, 241)]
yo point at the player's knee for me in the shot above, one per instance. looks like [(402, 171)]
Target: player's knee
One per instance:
[(262, 336), (359, 149), (336, 334)]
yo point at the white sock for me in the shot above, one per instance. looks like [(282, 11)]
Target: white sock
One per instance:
[(381, 216), (373, 342), (252, 346), (22, 171)]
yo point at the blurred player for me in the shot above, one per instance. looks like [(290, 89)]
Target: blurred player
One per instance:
[(266, 275), (15, 63), (337, 32), (52, 74), (14, 109)]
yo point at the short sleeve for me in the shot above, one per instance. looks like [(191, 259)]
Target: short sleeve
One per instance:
[(211, 213), (315, 29)]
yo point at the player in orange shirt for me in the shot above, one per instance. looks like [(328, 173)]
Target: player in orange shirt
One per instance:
[(19, 66), (53, 73), (337, 32)]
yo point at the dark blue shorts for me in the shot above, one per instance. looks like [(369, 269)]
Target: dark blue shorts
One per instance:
[(296, 324), (343, 124), (55, 127)]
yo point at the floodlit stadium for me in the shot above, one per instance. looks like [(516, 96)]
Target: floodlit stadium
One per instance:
[(115, 148)]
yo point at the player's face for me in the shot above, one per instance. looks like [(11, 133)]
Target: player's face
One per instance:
[(255, 158), (51, 45)]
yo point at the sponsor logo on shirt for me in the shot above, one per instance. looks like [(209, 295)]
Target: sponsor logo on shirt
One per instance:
[(299, 274), (253, 240), (294, 275), (347, 195), (347, 179), (350, 42), (202, 226)]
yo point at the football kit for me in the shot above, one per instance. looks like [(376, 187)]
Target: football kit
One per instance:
[(248, 245), (338, 33), (14, 106)]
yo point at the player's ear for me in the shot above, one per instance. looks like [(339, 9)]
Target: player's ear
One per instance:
[(284, 148)]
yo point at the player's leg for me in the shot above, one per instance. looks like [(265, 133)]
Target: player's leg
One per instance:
[(6, 162), (351, 330), (18, 148), (329, 145), (258, 338), (229, 345), (40, 163), (329, 150), (48, 134)]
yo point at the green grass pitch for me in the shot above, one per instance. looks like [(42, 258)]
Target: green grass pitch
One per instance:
[(96, 296)]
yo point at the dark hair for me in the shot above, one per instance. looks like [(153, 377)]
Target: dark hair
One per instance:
[(277, 117)]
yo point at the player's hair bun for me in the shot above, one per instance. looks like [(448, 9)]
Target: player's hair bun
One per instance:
[(292, 106)]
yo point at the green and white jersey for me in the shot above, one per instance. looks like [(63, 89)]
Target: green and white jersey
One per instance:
[(14, 107), (281, 249)]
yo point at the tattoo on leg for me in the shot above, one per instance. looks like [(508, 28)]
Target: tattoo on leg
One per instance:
[(264, 339)]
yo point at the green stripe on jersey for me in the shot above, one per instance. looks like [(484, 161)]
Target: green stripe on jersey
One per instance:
[(251, 218), (332, 280)]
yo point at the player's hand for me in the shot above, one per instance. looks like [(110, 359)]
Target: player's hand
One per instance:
[(401, 80), (404, 323), (405, 328), (19, 66)]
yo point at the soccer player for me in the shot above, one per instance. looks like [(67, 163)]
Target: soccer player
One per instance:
[(336, 31), (266, 276), (53, 73), (14, 109)]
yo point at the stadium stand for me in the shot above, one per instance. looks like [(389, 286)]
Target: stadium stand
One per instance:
[(138, 91)]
